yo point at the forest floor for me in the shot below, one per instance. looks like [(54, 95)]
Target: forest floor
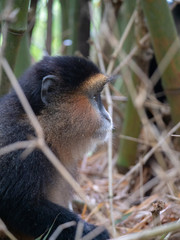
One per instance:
[(147, 198)]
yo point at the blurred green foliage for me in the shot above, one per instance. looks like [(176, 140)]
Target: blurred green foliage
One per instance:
[(39, 32)]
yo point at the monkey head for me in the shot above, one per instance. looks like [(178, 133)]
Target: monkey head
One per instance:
[(70, 109)]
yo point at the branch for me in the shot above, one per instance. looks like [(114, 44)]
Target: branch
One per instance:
[(150, 233)]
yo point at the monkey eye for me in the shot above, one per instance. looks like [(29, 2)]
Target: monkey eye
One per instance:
[(97, 96)]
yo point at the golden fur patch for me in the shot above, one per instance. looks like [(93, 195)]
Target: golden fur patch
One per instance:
[(94, 81)]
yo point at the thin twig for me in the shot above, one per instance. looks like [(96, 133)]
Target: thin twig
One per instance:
[(150, 233), (60, 228), (4, 229), (141, 141), (130, 55), (110, 110), (16, 146), (91, 235), (165, 61), (121, 42)]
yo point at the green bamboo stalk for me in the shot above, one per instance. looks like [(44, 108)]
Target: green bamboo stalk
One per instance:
[(74, 12), (65, 19), (132, 128), (49, 26), (23, 60), (14, 35), (70, 24), (131, 125), (163, 34), (126, 12)]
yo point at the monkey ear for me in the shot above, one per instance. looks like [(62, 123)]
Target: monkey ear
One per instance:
[(49, 84)]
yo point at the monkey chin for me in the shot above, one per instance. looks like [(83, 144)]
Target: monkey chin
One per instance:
[(102, 134)]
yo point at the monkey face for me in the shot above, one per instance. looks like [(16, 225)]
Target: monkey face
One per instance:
[(93, 88), (105, 126), (103, 118), (82, 109), (73, 108)]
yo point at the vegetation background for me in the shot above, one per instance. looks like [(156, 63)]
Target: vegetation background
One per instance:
[(133, 181)]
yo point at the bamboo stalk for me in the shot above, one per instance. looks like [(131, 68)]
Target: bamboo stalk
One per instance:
[(49, 26), (163, 35), (132, 121), (15, 32)]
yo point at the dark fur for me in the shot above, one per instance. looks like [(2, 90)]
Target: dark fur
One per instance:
[(23, 205)]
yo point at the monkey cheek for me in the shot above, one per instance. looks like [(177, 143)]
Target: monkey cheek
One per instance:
[(106, 125), (101, 136)]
